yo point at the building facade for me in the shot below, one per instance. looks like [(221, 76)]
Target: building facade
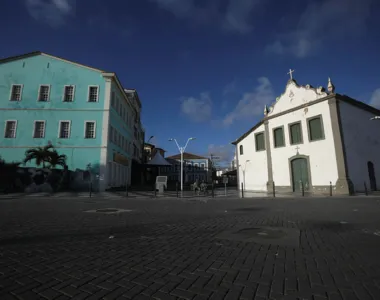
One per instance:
[(310, 139), (138, 130), (82, 111), (138, 138), (195, 167)]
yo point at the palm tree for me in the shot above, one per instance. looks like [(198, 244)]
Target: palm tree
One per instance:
[(55, 159), (39, 154)]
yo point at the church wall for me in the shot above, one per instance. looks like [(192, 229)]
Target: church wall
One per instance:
[(362, 144), (296, 95), (322, 158), (256, 172)]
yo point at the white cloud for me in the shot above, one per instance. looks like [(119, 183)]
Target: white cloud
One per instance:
[(252, 103), (224, 152), (375, 99), (229, 88), (52, 12), (234, 18), (323, 22), (197, 109), (238, 14)]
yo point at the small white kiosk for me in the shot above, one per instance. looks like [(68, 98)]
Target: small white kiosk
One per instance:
[(161, 181)]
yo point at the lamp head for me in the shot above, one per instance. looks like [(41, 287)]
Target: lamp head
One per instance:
[(192, 138), (171, 140)]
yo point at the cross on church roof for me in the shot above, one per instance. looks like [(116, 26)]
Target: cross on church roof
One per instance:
[(297, 148), (291, 73)]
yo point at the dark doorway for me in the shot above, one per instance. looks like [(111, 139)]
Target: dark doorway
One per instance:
[(372, 176), (300, 174)]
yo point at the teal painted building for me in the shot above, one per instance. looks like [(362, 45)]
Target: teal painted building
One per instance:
[(82, 111)]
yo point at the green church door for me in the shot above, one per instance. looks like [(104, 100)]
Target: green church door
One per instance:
[(300, 174)]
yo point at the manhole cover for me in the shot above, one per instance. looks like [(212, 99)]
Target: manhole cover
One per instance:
[(108, 210), (264, 235)]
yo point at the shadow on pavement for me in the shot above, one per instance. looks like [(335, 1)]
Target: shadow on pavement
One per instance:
[(127, 231)]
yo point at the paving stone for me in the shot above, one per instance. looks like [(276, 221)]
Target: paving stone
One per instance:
[(170, 249), (50, 294)]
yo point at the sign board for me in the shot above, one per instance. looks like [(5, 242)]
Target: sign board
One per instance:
[(161, 179), (225, 179)]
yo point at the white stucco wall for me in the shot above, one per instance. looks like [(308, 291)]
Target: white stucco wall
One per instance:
[(321, 153), (294, 96), (256, 172), (362, 144)]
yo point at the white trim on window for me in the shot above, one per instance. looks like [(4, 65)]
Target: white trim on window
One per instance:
[(64, 92), (11, 92), (34, 129), (97, 93), (39, 91), (59, 129), (5, 129), (85, 128)]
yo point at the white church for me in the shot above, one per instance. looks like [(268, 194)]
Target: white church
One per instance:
[(308, 140)]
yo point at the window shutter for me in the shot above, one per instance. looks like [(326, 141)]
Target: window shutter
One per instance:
[(315, 127), (260, 143), (295, 134), (278, 137), (295, 139)]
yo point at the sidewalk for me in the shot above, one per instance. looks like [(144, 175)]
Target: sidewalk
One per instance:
[(168, 195), (59, 195)]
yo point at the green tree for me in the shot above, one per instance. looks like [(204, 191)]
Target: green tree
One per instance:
[(8, 167), (40, 155), (8, 173), (56, 159)]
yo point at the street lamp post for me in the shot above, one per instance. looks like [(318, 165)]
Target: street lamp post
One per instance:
[(89, 167), (245, 166), (150, 138), (182, 150)]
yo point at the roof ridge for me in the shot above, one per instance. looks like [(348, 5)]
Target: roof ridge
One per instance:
[(35, 53)]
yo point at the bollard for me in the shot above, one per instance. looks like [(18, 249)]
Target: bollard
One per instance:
[(242, 190), (330, 188), (90, 189), (365, 189), (126, 190), (176, 188), (155, 191), (274, 190), (212, 189), (303, 189)]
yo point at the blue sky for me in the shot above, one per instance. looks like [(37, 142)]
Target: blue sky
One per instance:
[(206, 68)]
